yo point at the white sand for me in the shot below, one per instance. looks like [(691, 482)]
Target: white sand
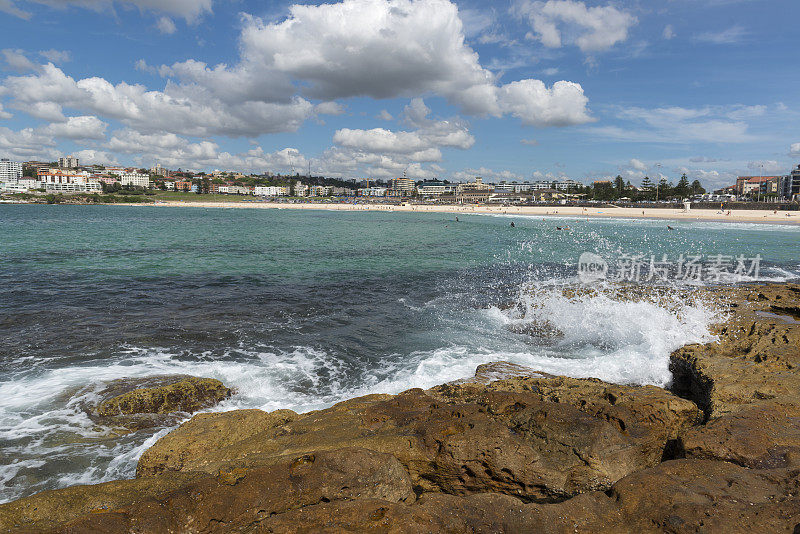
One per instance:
[(567, 211)]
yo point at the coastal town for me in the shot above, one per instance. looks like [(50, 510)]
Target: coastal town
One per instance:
[(67, 176)]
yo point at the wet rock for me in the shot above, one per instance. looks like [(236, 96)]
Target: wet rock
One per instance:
[(161, 395)]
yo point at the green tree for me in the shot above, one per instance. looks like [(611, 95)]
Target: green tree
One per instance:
[(619, 185), (697, 189), (683, 189)]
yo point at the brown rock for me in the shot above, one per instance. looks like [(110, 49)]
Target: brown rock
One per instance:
[(755, 359), (187, 446), (184, 394), (652, 417), (49, 509), (510, 450), (239, 499), (506, 438), (698, 495), (761, 436)]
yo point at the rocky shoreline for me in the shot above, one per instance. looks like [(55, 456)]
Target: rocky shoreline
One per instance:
[(510, 450)]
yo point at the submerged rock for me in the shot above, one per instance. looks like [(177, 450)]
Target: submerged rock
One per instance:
[(155, 401), (174, 394)]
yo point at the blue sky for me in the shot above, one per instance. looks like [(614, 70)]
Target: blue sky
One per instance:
[(519, 89)]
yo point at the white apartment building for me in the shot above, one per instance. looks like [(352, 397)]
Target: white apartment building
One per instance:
[(10, 171), (403, 184), (477, 185), (270, 191), (435, 189), (567, 185), (234, 190), (68, 162), (66, 182), (21, 185), (300, 189), (135, 178), (373, 191)]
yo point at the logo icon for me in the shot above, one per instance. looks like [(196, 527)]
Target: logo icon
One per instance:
[(591, 268)]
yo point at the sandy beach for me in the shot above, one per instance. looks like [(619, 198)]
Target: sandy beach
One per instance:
[(760, 216)]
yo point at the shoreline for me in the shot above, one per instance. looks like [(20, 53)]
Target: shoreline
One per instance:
[(576, 212), (751, 216)]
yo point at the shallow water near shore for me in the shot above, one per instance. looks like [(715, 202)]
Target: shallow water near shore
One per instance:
[(301, 309)]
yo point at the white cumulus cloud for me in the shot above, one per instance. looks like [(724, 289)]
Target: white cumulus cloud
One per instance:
[(559, 22)]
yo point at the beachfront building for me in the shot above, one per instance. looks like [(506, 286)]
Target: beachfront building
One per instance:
[(343, 192), (512, 187), (135, 179), (235, 190), (108, 179), (565, 185), (373, 191), (57, 181), (791, 185), (11, 179), (15, 187), (300, 189), (68, 162), (270, 191), (754, 186), (434, 189), (36, 166), (10, 171), (320, 191), (404, 186), (476, 186)]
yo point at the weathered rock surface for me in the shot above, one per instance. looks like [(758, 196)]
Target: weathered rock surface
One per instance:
[(762, 436), (510, 450), (756, 358), (160, 395), (529, 437)]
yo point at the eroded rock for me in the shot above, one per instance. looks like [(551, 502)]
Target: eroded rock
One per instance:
[(166, 395)]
